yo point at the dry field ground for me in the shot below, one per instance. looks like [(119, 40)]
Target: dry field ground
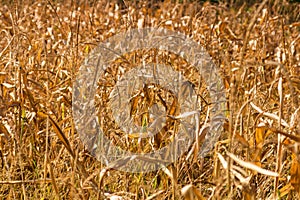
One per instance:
[(256, 47)]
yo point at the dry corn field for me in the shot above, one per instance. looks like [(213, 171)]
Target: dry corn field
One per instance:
[(256, 48)]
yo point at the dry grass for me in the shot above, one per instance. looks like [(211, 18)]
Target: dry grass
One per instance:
[(257, 48)]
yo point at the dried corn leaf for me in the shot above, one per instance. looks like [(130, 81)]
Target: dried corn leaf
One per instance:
[(190, 192), (252, 166), (58, 132), (295, 173)]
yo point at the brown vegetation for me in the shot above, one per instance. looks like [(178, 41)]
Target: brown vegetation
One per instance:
[(257, 48)]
